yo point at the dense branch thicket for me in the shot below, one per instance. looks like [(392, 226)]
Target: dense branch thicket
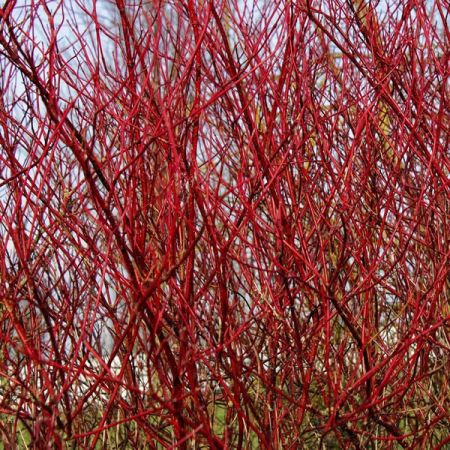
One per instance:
[(225, 224)]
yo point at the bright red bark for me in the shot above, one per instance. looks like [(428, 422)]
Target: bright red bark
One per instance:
[(225, 224)]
